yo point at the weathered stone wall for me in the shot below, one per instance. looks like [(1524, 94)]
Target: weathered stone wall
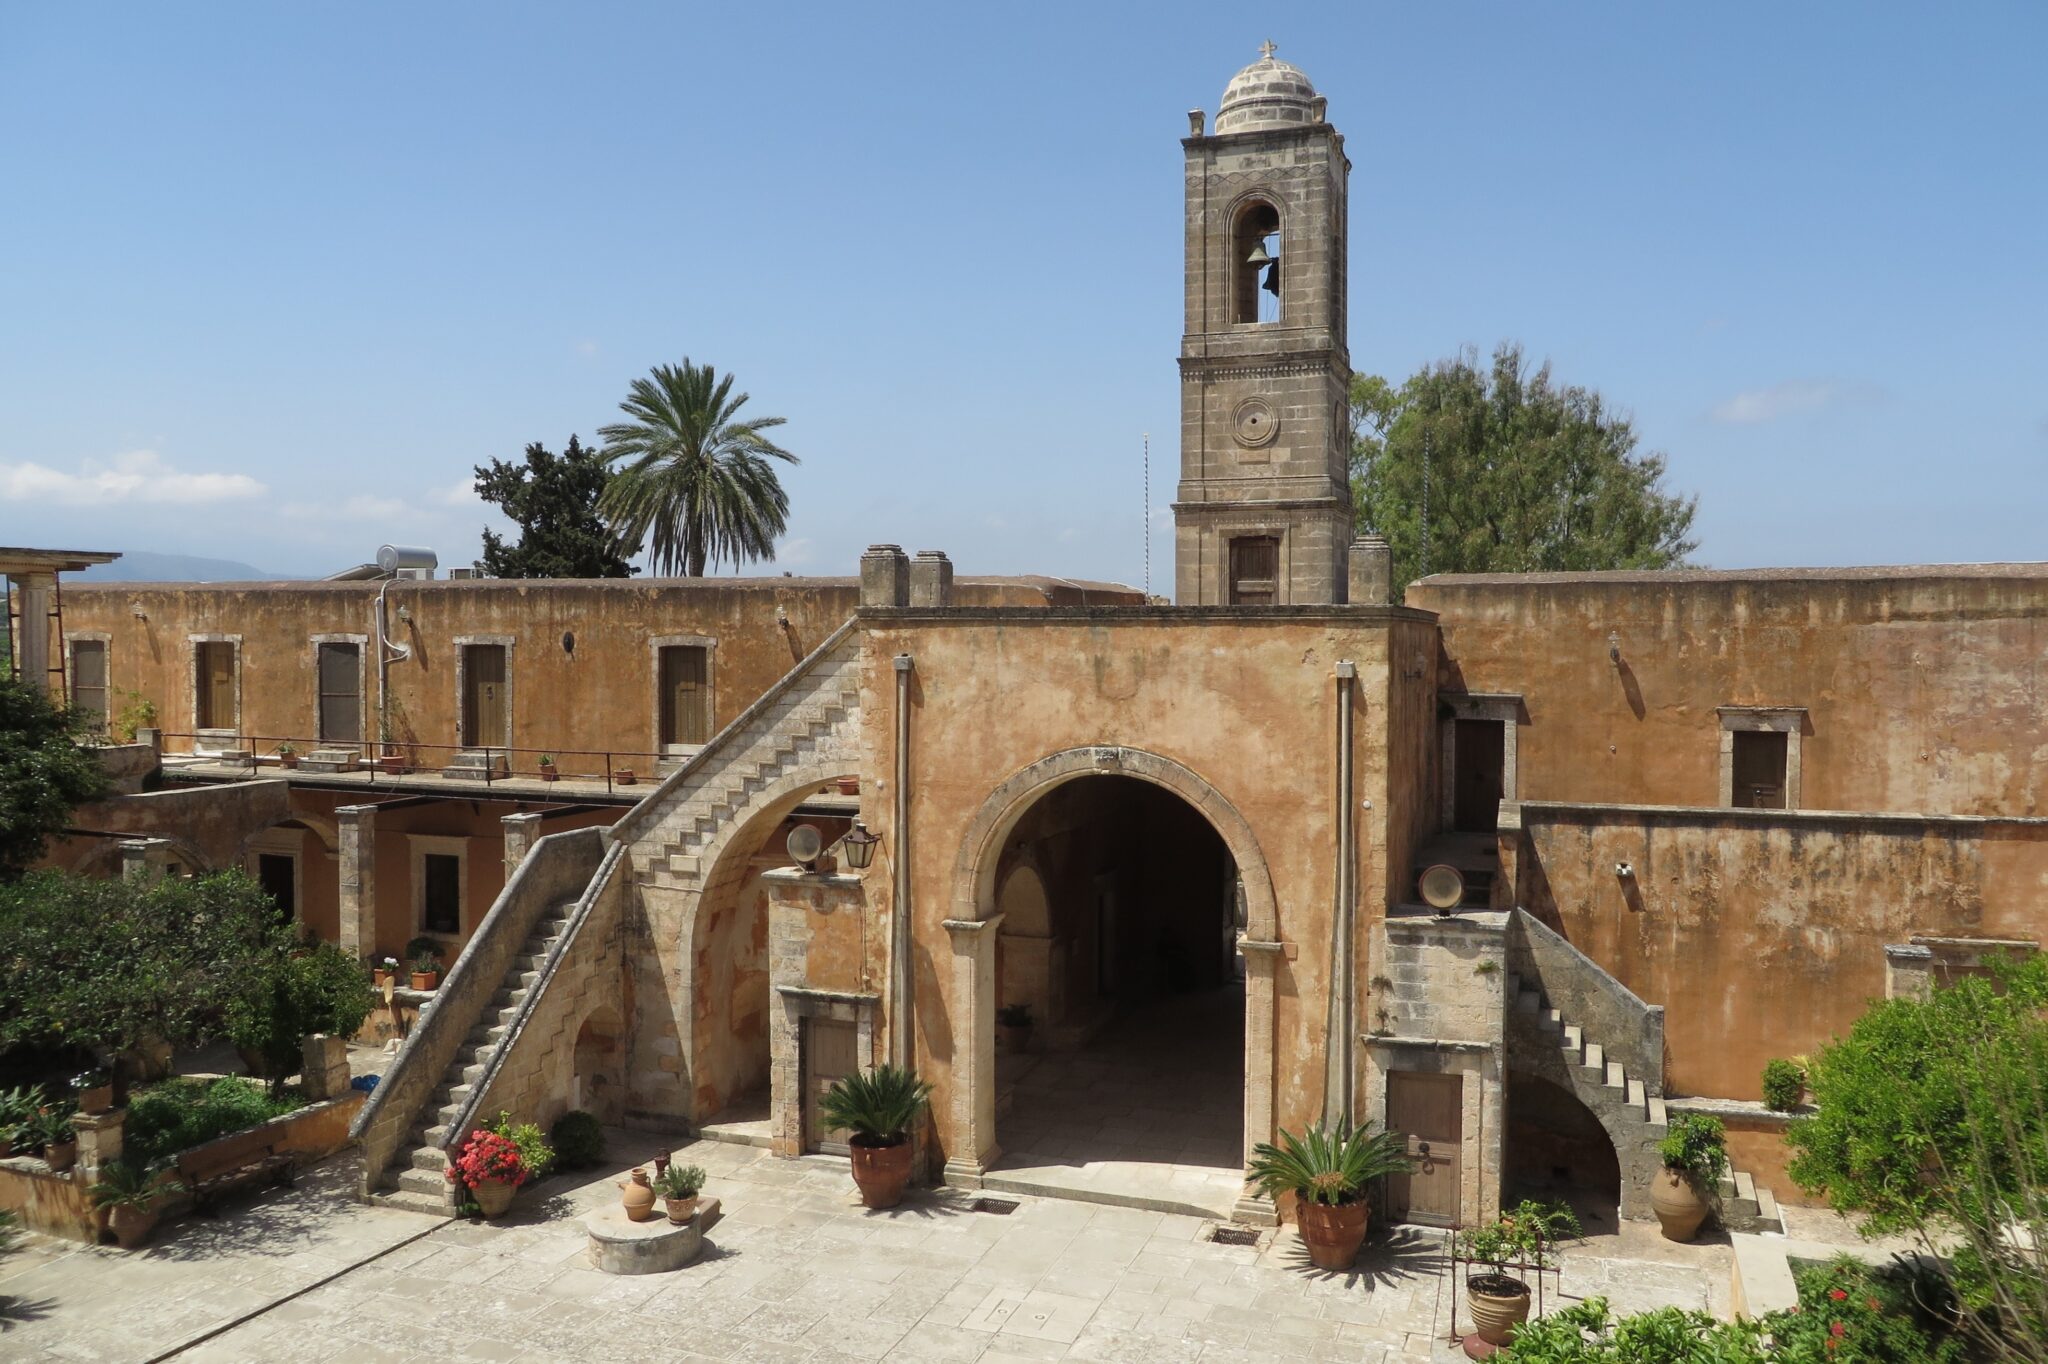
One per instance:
[(1762, 933), (1922, 686), (208, 826)]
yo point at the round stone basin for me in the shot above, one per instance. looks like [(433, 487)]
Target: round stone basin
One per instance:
[(621, 1246)]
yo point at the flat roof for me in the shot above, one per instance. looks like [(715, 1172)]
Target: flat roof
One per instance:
[(1678, 577), (17, 559)]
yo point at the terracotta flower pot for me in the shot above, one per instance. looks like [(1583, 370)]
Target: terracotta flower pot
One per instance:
[(395, 767), (548, 773), (1332, 1234), (882, 1172), (61, 1155), (849, 786), (131, 1226), (681, 1210), (638, 1198), (425, 980), (98, 1099), (624, 777), (494, 1196), (1677, 1203), (380, 977), (1498, 1305), (287, 760)]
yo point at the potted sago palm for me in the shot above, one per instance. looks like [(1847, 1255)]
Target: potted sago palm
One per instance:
[(879, 1107), (1329, 1175), (1695, 1155), (1524, 1237), (679, 1186), (491, 1168), (50, 1129), (127, 1192)]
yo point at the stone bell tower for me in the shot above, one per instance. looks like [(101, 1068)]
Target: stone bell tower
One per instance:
[(1263, 514)]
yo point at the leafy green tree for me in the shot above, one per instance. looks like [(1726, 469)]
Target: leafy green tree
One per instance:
[(1517, 474), (553, 500), (291, 991), (694, 484), (105, 964), (45, 773)]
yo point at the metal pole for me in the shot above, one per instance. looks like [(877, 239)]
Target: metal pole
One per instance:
[(901, 1052)]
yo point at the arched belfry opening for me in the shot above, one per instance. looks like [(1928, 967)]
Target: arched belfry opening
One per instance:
[(1255, 254), (1119, 940)]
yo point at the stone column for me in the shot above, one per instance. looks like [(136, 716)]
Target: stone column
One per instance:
[(931, 579), (1908, 971), (356, 861), (971, 1129), (323, 1066), (144, 858), (1261, 964), (34, 592), (99, 1140), (884, 576), (1372, 571), (521, 833)]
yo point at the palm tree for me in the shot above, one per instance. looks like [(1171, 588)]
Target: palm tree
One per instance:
[(696, 486)]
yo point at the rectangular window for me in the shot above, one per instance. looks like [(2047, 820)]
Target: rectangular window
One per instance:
[(216, 684), (278, 874), (1759, 769), (89, 679), (1254, 570), (440, 893), (341, 693), (685, 695)]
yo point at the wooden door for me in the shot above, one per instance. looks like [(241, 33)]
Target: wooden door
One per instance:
[(831, 1052), (1254, 570), (1479, 752), (341, 693), (217, 684), (1429, 1110), (484, 722), (685, 695)]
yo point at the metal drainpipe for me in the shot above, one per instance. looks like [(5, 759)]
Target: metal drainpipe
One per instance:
[(899, 928), (1343, 957)]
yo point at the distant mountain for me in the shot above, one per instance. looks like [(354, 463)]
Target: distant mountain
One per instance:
[(141, 566)]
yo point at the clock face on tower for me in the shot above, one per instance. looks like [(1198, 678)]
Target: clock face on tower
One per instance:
[(1254, 423)]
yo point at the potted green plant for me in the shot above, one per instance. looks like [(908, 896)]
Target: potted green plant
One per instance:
[(1522, 1237), (1695, 1155), (95, 1089), (17, 1107), (491, 1168), (1784, 1084), (1013, 1026), (382, 969), (547, 768), (1328, 1174), (287, 754), (127, 1192), (426, 973), (878, 1107), (50, 1129), (678, 1186)]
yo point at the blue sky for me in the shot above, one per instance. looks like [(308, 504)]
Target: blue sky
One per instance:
[(278, 276)]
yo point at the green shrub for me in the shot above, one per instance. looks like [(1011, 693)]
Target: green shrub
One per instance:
[(1783, 1082), (292, 993), (1697, 1145), (578, 1139), (178, 1114), (424, 946), (534, 1151)]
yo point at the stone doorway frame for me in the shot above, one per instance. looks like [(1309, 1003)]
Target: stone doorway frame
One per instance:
[(973, 919)]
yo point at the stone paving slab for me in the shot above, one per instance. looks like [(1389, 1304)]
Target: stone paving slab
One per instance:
[(796, 1271)]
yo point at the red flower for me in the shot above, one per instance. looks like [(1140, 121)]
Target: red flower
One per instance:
[(1837, 1294), (486, 1156), (1831, 1345), (1872, 1303), (1836, 1329)]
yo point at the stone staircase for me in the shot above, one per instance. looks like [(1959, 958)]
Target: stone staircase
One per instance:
[(1621, 1100), (803, 726), (415, 1180)]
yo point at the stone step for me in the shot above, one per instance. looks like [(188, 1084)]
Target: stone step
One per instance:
[(1745, 1186), (412, 1202), (1529, 1001), (435, 1135), (1574, 1037), (431, 1183), (1638, 1096), (509, 998), (1553, 1018), (1617, 1076), (1596, 1057), (1657, 1112), (425, 1157), (1767, 1206)]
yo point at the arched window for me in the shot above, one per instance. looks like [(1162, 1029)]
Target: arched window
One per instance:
[(1255, 256)]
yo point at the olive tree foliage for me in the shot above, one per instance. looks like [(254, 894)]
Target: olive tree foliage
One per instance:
[(44, 772), (292, 990), (109, 964), (1933, 1119), (1500, 469)]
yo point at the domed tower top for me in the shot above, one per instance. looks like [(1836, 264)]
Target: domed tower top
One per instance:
[(1268, 94)]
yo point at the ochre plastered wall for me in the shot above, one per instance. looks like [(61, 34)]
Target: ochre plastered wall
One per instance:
[(600, 697), (1246, 701), (1925, 688)]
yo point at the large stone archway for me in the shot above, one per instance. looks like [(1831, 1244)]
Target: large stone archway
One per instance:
[(974, 919)]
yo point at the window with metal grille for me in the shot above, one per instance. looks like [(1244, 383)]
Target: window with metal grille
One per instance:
[(1254, 570)]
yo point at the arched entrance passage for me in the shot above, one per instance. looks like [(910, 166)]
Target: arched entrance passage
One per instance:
[(1145, 951), (1558, 1148)]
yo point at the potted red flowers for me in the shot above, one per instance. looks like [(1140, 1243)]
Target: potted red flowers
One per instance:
[(491, 1168)]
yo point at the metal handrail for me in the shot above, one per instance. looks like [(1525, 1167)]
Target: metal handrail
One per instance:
[(410, 752)]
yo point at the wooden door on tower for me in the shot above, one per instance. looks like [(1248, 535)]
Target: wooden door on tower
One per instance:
[(1429, 1110), (831, 1052)]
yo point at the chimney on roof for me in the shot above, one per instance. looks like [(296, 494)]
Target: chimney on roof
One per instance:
[(885, 576), (931, 579)]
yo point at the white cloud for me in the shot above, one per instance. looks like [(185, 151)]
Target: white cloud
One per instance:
[(1779, 400), (586, 348), (459, 494), (134, 476), (360, 507)]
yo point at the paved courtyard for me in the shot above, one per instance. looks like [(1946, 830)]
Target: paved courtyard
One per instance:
[(796, 1271)]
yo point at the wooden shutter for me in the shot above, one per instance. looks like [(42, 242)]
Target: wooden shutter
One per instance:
[(484, 721), (217, 685), (685, 694), (89, 679), (1254, 570), (341, 694)]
